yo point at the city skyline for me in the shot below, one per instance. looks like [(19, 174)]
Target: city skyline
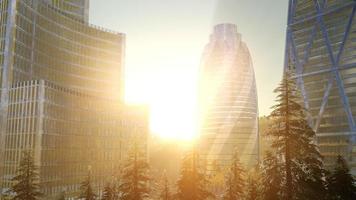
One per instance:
[(186, 100), (164, 43)]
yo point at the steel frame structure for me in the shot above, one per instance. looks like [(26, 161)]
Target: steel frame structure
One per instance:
[(317, 12)]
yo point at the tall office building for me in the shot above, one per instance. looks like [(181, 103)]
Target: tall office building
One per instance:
[(228, 99), (62, 83), (78, 9), (321, 53)]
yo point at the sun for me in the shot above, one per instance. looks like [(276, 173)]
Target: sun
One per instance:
[(173, 117), (172, 104), (166, 79)]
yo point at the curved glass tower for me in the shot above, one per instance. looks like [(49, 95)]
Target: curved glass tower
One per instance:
[(321, 53), (228, 99)]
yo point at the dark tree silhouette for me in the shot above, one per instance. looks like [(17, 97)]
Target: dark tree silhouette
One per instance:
[(86, 189), (235, 183), (216, 179), (27, 179), (165, 193), (252, 189), (254, 184), (110, 192), (193, 183), (271, 177), (134, 185), (341, 184), (294, 143)]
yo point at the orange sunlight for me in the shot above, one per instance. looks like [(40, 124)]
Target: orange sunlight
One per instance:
[(171, 100)]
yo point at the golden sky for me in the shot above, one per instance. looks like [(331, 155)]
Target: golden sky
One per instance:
[(165, 40)]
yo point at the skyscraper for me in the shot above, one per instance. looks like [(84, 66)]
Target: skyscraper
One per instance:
[(62, 83), (321, 53), (78, 9), (228, 99)]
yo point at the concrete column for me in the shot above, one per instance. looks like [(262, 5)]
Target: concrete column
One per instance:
[(6, 79), (39, 133), (33, 42), (86, 11), (122, 69)]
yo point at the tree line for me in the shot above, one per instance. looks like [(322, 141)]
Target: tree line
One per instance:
[(293, 170)]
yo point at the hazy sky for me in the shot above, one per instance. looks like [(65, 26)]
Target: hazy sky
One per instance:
[(165, 40)]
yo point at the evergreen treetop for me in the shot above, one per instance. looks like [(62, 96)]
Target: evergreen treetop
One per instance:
[(192, 184), (27, 179), (302, 165), (271, 177), (135, 181), (235, 183), (87, 192), (110, 192), (341, 183), (165, 193), (252, 188)]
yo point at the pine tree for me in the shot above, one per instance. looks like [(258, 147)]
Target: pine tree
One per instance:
[(166, 193), (26, 182), (192, 184), (217, 179), (254, 184), (134, 185), (252, 188), (86, 189), (110, 192), (341, 184), (294, 143), (271, 177), (235, 184)]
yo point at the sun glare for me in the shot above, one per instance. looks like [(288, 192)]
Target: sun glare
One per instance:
[(172, 103), (174, 118)]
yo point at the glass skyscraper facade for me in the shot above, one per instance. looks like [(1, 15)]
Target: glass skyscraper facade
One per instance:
[(62, 88), (228, 99), (78, 9), (321, 53)]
